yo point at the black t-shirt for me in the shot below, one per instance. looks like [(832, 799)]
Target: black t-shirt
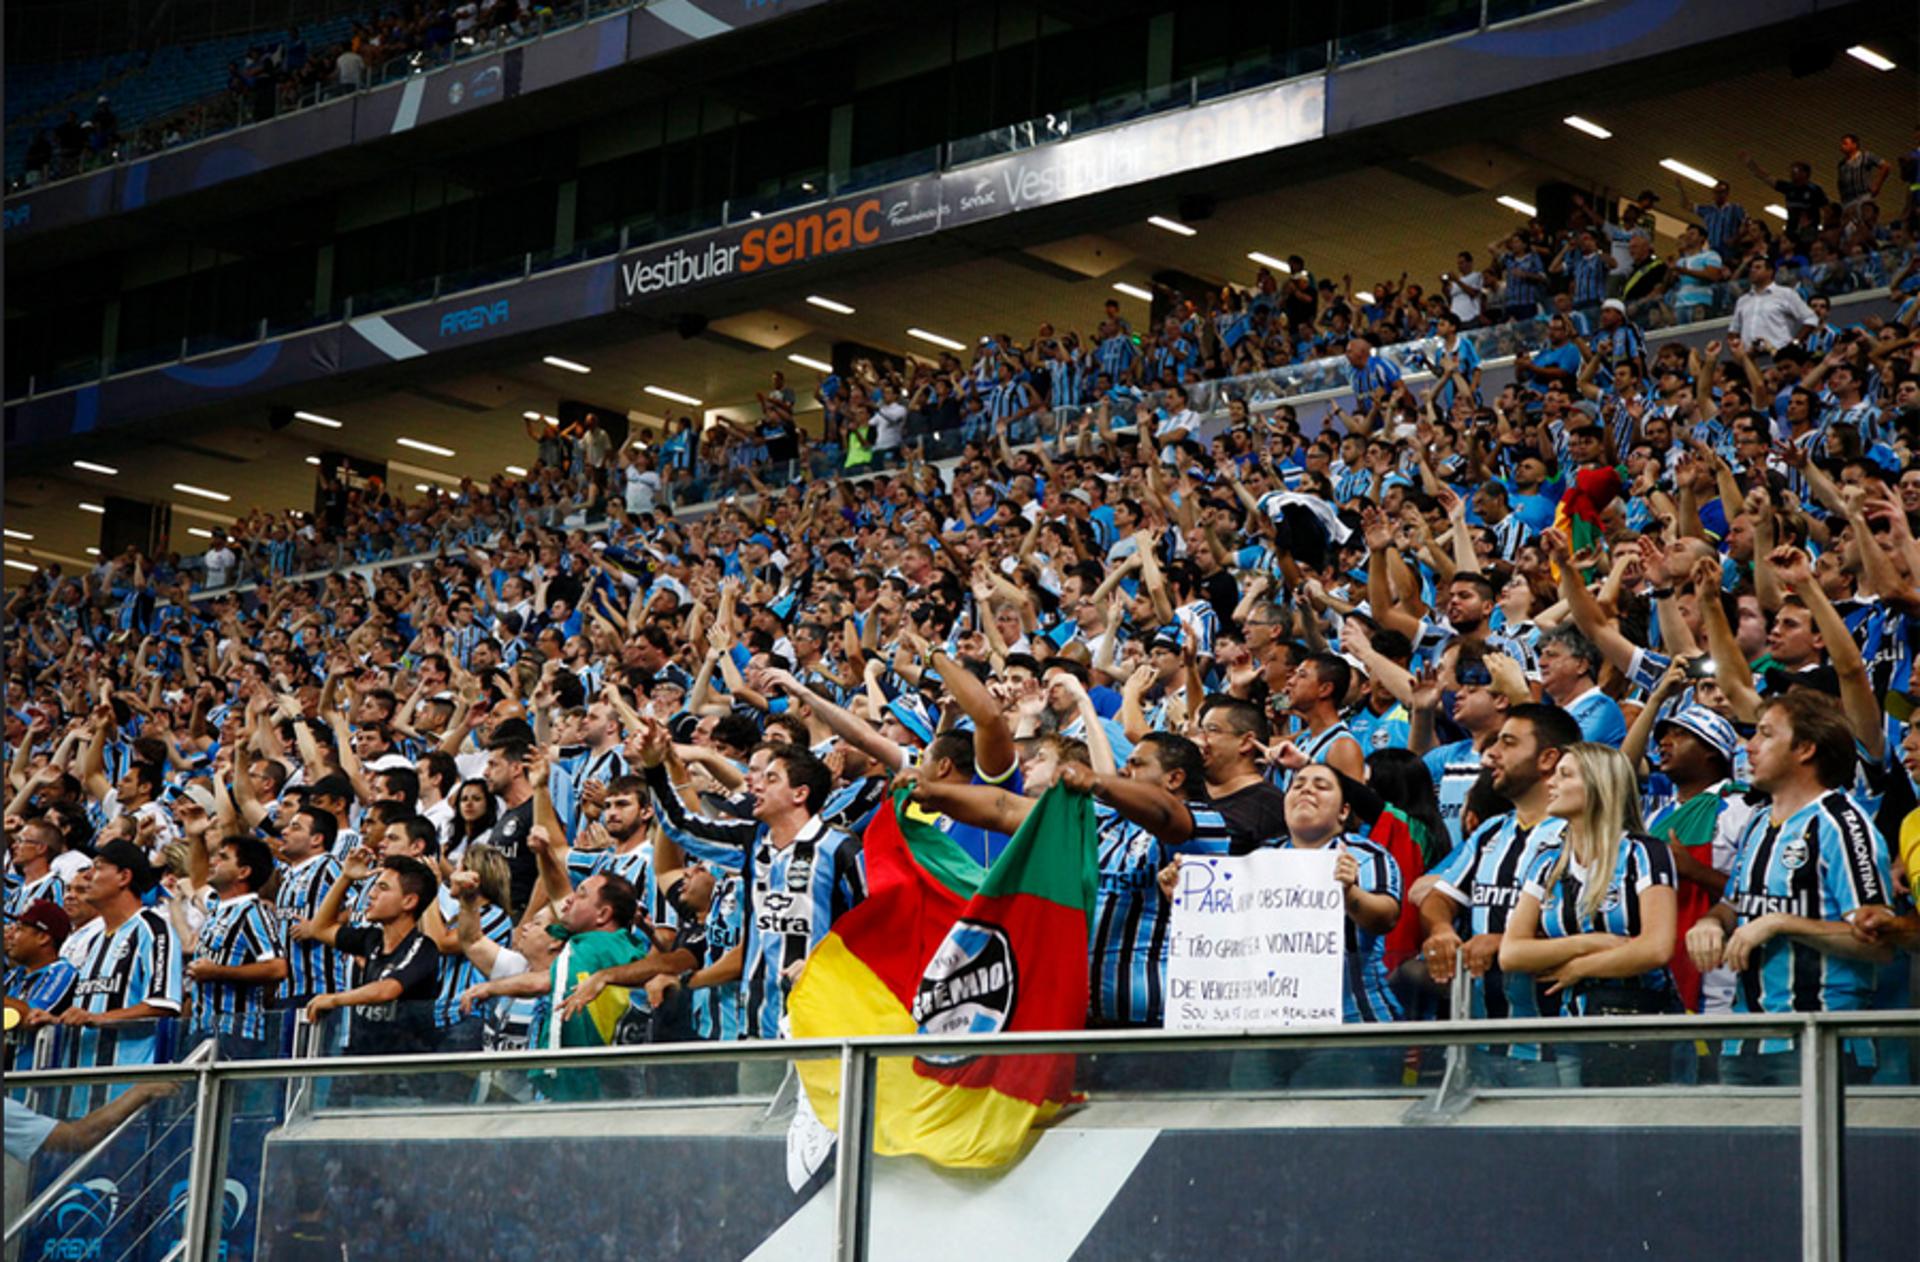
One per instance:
[(405, 1025), (1256, 816), (510, 838)]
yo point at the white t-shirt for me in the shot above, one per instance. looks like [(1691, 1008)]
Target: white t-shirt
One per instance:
[(1466, 305), (643, 489), (221, 563), (69, 864), (889, 426), (79, 943)]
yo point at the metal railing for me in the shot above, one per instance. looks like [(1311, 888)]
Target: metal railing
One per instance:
[(1817, 1039)]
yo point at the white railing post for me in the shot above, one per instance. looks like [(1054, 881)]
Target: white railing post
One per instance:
[(853, 1156), (1822, 1097)]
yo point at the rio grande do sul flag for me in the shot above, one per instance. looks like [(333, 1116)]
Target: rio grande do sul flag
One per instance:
[(940, 948)]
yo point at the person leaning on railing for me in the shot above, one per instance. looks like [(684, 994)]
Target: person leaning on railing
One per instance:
[(1596, 916), (401, 975), (1807, 869)]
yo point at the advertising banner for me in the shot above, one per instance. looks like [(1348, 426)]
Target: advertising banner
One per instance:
[(1256, 122)]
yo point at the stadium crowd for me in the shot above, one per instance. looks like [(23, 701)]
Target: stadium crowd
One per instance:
[(1603, 681)]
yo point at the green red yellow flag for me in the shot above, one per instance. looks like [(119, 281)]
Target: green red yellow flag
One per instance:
[(940, 947)]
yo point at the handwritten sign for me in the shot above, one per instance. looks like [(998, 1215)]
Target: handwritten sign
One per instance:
[(1257, 942)]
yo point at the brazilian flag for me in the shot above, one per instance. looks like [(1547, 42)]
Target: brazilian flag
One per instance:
[(599, 1023)]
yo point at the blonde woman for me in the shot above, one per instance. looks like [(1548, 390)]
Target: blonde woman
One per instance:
[(1597, 914)]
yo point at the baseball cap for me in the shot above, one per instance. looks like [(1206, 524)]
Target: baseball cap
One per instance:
[(49, 918), (1614, 304), (1080, 493), (1708, 726), (200, 795), (123, 854), (765, 540)]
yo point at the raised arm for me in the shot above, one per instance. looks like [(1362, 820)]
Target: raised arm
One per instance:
[(1843, 654), (994, 753)]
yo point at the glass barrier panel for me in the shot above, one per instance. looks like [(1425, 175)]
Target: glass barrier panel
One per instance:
[(1881, 1125), (409, 1170), (1148, 1143), (126, 1204)]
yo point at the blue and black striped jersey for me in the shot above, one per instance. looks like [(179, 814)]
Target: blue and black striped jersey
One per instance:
[(457, 972), (136, 963), (1484, 875), (1365, 995), (314, 968), (1641, 865), (1823, 862), (238, 931), (25, 894), (717, 1009), (1131, 921), (794, 892)]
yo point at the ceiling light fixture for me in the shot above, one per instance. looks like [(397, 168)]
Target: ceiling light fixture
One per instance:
[(187, 488), (1686, 172), (1776, 210), (818, 365), (516, 471), (1363, 295), (1171, 225), (1134, 291), (1861, 53), (22, 565), (1588, 126), (313, 460), (568, 364), (936, 339), (532, 416), (661, 392), (1267, 260), (828, 304), (90, 508), (199, 532), (21, 535), (430, 448), (1515, 204), (423, 488), (93, 552), (314, 418), (91, 467)]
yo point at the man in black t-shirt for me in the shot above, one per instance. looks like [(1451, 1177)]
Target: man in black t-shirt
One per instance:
[(399, 971), (1232, 735)]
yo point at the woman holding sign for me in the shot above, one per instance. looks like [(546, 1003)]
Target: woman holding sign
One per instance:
[(1369, 880), (1596, 916)]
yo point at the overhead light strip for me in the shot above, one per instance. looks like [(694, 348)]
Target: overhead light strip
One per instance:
[(936, 339), (1686, 172)]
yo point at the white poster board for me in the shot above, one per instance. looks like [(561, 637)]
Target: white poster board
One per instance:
[(1257, 942)]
